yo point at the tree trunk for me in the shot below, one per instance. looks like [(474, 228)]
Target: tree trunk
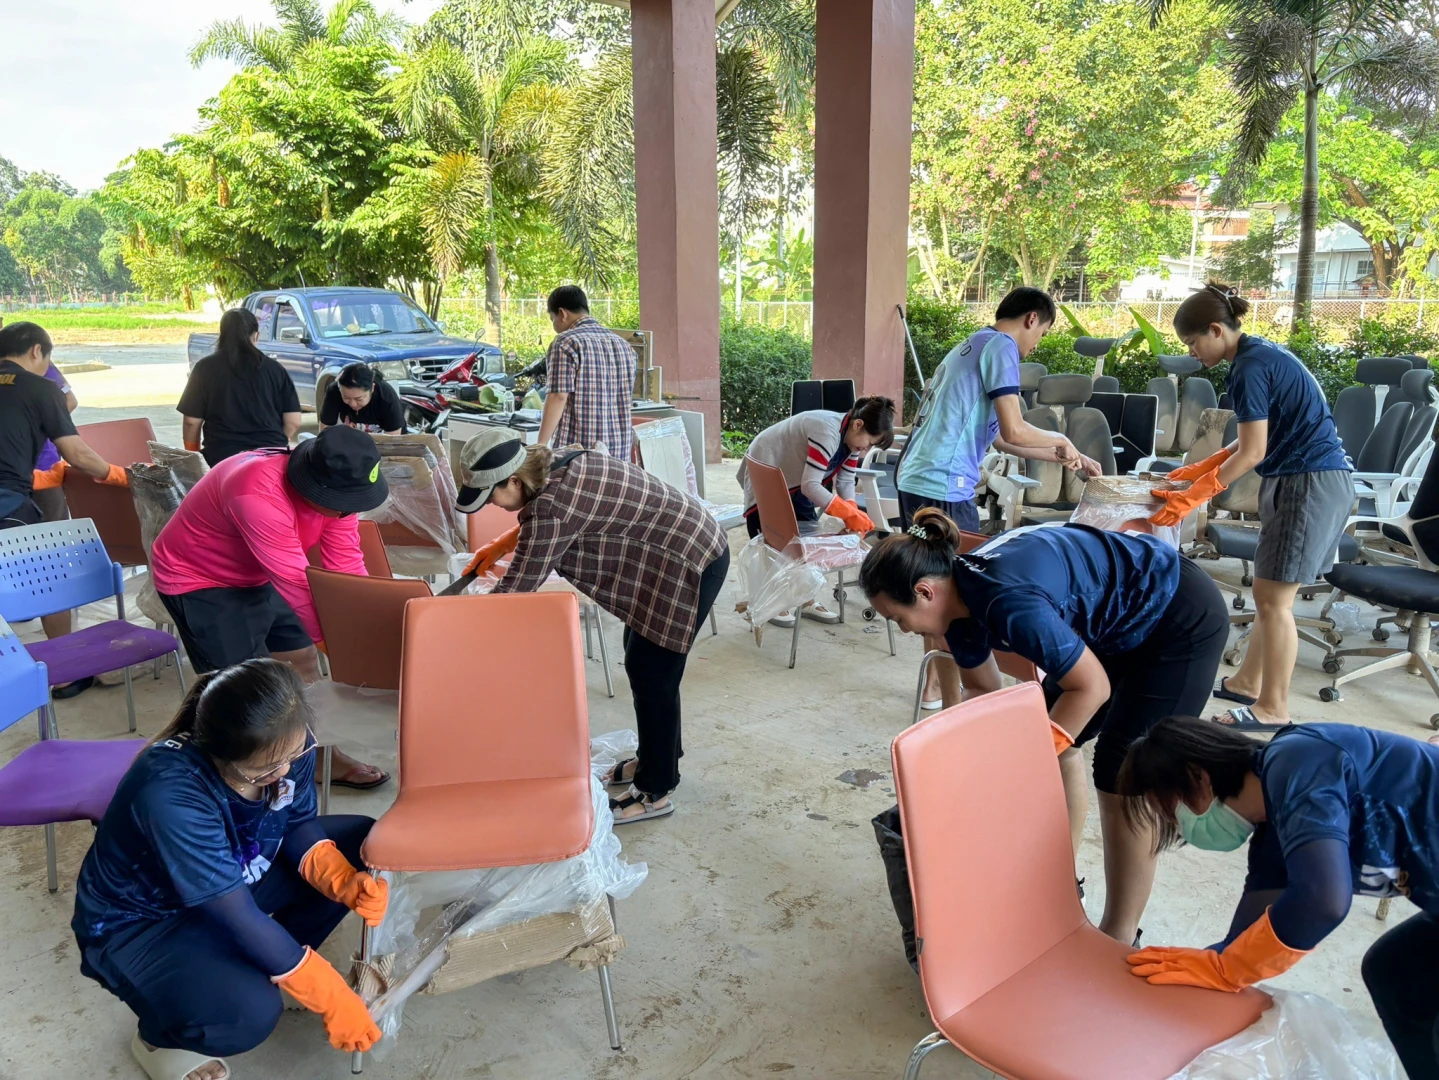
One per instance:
[(1309, 200), (492, 294)]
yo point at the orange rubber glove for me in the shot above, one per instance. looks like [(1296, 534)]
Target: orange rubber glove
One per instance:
[(1195, 469), (855, 519), (494, 551), (52, 477), (1253, 956), (316, 985), (192, 446), (332, 876), (1178, 505), (116, 477), (1063, 740)]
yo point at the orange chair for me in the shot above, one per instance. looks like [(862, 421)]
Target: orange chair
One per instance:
[(120, 442), (362, 620), (372, 549), (499, 779), (781, 532), (1013, 973)]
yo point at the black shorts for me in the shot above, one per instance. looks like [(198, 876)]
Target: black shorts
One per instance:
[(964, 514), (1170, 674), (223, 627)]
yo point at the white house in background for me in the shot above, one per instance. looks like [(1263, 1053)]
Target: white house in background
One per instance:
[(1173, 279), (1343, 262)]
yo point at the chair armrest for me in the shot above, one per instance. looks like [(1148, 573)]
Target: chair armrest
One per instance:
[(878, 474), (1023, 482), (1377, 476)]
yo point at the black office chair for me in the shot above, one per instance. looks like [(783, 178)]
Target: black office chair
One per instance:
[(1357, 409), (832, 395)]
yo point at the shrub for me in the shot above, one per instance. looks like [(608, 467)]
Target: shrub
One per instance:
[(735, 443), (758, 364), (1375, 337)]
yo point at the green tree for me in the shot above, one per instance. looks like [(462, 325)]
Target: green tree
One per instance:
[(1278, 50), (56, 238), (1253, 260), (303, 23)]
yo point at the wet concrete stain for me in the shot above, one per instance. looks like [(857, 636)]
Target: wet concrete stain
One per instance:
[(817, 817), (860, 778)]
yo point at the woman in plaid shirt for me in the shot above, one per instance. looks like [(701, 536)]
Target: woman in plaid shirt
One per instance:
[(645, 551)]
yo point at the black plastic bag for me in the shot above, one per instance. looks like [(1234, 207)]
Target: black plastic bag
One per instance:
[(888, 834)]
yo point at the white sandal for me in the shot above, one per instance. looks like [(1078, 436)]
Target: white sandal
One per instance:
[(167, 1064)]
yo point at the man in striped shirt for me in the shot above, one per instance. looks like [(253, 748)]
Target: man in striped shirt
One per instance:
[(590, 372)]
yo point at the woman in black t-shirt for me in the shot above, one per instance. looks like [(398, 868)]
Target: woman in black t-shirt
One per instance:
[(238, 397), (361, 398)]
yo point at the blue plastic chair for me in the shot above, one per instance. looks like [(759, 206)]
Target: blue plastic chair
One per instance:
[(59, 565), (54, 779)]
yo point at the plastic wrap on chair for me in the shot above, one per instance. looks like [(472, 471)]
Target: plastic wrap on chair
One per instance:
[(1300, 1036), (771, 581), (361, 721), (445, 930), (656, 445), (157, 493), (420, 511), (1124, 504), (187, 465)]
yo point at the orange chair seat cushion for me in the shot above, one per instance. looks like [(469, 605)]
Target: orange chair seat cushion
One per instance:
[(1078, 1012), (483, 824)]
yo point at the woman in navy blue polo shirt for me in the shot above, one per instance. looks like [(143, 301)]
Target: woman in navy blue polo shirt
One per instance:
[(1329, 811), (1287, 436), (1125, 631), (211, 882)]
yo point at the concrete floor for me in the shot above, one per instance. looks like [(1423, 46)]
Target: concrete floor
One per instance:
[(763, 943)]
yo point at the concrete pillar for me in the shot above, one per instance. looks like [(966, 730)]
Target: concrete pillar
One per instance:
[(864, 88), (677, 199)]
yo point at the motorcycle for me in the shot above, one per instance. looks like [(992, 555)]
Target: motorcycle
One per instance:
[(459, 388)]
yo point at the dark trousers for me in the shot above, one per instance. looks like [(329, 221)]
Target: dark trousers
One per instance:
[(1399, 972), (804, 510), (192, 989), (655, 673)]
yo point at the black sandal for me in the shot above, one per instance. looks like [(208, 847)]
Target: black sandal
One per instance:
[(1227, 694), (615, 779), (640, 798)]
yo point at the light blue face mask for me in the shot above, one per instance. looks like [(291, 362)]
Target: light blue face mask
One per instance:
[(1220, 828)]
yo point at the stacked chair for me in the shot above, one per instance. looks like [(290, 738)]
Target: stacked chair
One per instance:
[(1179, 409), (1358, 408)]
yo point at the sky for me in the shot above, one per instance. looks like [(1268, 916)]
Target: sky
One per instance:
[(86, 83)]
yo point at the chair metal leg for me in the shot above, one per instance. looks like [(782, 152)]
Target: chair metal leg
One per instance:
[(326, 767), (714, 624), (585, 619), (130, 697), (179, 671), (1383, 913), (922, 1050), (324, 664), (604, 651), (889, 626), (357, 1058), (840, 593), (923, 675), (155, 666), (52, 874), (49, 726), (610, 1020), (794, 640)]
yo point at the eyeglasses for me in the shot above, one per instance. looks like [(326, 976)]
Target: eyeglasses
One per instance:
[(269, 774)]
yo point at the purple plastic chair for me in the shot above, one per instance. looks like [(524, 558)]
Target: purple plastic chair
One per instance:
[(59, 565), (55, 779)]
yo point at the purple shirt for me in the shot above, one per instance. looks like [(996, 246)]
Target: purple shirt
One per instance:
[(48, 454)]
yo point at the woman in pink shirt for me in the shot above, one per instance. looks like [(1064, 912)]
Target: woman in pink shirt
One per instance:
[(230, 565)]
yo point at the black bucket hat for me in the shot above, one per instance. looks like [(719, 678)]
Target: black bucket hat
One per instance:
[(339, 470)]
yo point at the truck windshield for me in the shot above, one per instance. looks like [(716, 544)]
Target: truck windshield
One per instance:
[(377, 313)]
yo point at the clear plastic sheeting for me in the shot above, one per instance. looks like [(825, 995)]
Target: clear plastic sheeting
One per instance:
[(1300, 1037), (771, 581), (446, 930), (359, 720), (187, 465), (157, 494), (419, 523), (1125, 504), (665, 451)]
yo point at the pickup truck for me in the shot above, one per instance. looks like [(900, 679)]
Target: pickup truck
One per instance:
[(314, 333)]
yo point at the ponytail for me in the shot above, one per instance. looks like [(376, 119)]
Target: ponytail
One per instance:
[(184, 721), (234, 713), (899, 562), (1215, 303), (237, 326)]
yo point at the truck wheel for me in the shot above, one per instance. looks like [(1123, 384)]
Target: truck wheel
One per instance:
[(321, 389)]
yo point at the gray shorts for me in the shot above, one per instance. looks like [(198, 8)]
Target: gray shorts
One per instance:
[(1301, 518)]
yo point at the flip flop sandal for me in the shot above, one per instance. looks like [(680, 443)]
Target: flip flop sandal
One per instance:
[(1232, 695), (651, 811), (360, 785), (1243, 719), (614, 776), (167, 1064)]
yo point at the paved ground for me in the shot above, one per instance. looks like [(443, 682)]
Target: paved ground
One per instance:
[(762, 944)]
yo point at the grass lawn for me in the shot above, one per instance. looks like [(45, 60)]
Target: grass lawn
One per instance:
[(140, 324)]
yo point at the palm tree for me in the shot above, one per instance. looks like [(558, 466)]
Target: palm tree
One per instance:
[(302, 22), (484, 114), (1280, 48)]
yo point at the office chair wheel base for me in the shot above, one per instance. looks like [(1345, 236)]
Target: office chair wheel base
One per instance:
[(1237, 603), (838, 595), (1328, 693), (1308, 595), (1333, 637), (1333, 665), (1380, 634), (1247, 580), (868, 614), (1434, 721), (1232, 658)]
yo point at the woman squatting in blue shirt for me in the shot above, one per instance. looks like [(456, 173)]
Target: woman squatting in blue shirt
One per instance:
[(1123, 628), (1328, 811), (211, 882)]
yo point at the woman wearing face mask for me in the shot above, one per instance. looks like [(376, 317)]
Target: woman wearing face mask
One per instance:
[(1328, 811), (1124, 629), (1287, 435), (211, 882)]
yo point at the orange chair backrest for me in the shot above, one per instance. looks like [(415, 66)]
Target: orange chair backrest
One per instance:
[(772, 500), (492, 688), (120, 442), (487, 523), (362, 619), (986, 835)]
